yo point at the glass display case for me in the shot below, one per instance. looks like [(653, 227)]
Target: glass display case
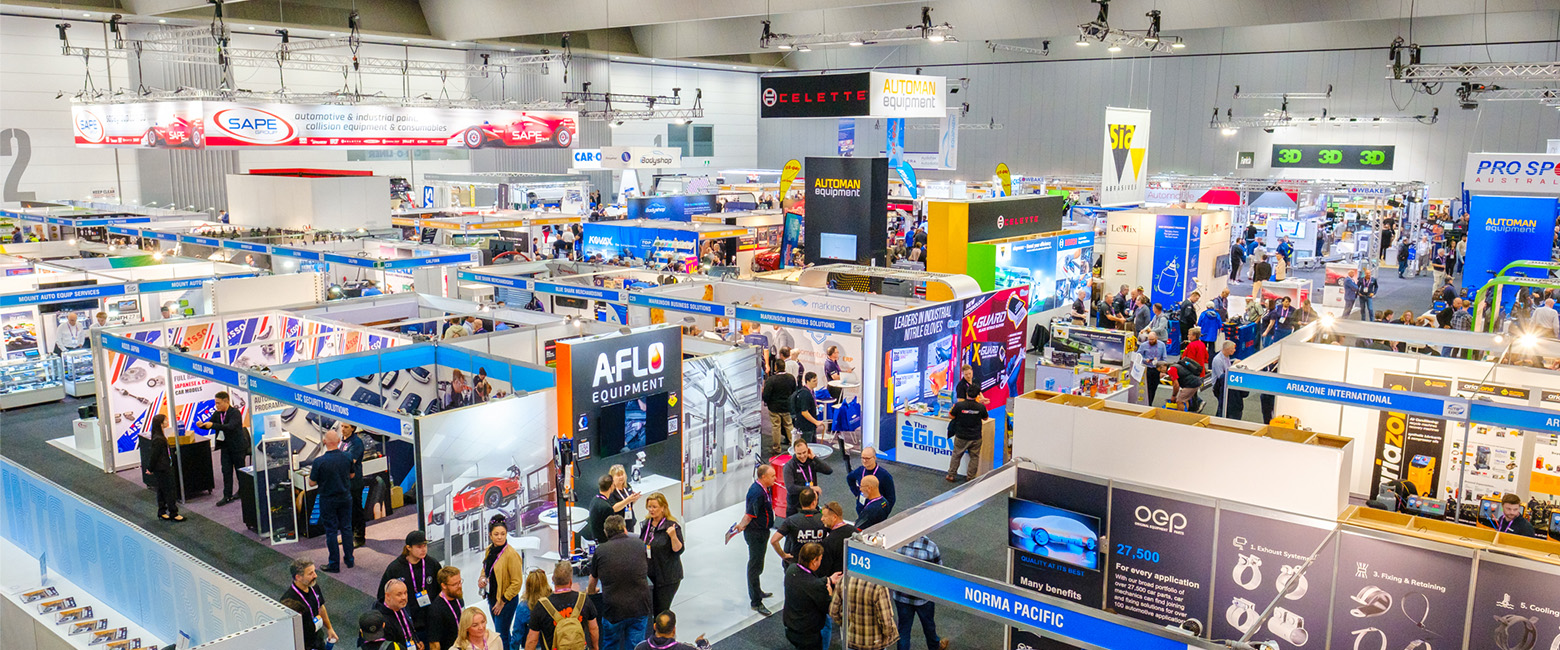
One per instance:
[(77, 370), (30, 381)]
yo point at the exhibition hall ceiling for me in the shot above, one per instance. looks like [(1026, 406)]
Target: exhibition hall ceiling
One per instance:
[(728, 31)]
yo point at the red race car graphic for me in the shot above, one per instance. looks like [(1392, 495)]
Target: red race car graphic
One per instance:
[(528, 131), (182, 132)]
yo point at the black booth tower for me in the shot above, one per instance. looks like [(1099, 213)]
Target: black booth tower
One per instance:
[(846, 221)]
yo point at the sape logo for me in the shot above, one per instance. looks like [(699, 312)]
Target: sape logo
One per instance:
[(254, 126)]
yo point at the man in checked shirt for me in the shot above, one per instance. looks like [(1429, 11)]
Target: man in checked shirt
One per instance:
[(872, 625), (909, 607)]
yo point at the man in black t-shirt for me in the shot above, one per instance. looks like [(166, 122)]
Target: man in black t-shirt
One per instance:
[(837, 532), (563, 600), (622, 567), (804, 408), (317, 630), (601, 507), (444, 613), (804, 527), (806, 599), (964, 426), (802, 472)]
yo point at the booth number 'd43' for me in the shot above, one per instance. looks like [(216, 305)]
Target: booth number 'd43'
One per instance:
[(1333, 156)]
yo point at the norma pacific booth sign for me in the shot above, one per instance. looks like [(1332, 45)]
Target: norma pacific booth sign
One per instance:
[(195, 124)]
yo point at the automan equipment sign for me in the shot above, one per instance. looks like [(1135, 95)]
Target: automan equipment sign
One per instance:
[(857, 94)]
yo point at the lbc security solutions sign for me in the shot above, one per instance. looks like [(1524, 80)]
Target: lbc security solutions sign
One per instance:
[(1513, 173)]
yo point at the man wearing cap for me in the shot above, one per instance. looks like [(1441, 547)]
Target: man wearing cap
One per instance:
[(371, 632), (419, 572)]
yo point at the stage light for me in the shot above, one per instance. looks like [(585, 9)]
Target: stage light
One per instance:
[(1178, 44), (784, 46), (936, 38), (1113, 48), (856, 43), (157, 256), (1499, 339), (1327, 320), (1527, 341), (1229, 131), (1081, 42)]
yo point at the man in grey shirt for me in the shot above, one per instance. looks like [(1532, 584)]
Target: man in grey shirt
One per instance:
[(1220, 373), (1141, 315), (1154, 354)]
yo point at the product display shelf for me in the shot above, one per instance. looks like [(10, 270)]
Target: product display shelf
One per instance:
[(44, 633), (78, 373), (24, 382), (1447, 532)]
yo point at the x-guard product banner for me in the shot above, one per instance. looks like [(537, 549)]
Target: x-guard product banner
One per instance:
[(196, 124)]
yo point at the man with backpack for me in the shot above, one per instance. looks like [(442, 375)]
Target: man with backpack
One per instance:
[(563, 620)]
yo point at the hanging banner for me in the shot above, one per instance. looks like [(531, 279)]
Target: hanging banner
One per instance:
[(866, 94), (1124, 170), (896, 156), (1402, 596), (788, 175), (847, 137), (197, 124), (640, 158), (948, 142), (1408, 446), (1512, 173), (1161, 559), (1005, 178)]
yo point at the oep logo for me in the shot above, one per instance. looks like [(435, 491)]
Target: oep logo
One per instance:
[(254, 126)]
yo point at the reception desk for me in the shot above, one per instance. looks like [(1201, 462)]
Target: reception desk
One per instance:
[(923, 441)]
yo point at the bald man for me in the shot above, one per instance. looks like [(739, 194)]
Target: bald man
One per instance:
[(870, 467), (875, 510), (331, 472)]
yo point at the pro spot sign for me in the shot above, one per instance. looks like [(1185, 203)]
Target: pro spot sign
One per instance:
[(1513, 173)]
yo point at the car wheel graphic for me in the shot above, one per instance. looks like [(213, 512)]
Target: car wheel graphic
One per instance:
[(196, 138), (149, 139), (562, 138), (474, 138), (492, 498)]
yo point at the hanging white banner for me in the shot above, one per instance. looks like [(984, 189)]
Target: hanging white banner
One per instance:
[(1124, 170)]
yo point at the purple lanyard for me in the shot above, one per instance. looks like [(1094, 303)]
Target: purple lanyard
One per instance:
[(1505, 526), (868, 504), (450, 605), (806, 472), (313, 609), (421, 581), (650, 530), (406, 624)]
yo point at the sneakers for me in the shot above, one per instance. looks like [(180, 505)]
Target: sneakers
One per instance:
[(763, 611), (350, 563), (331, 568)]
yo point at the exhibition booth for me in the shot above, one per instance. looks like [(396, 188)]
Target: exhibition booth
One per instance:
[(1460, 429), (657, 243), (525, 235), (954, 225), (565, 193), (1168, 252), (64, 220), (79, 576)]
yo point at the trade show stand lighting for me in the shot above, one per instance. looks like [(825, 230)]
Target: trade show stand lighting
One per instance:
[(925, 31)]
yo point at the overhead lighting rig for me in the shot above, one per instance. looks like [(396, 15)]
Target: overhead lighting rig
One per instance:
[(1286, 97), (1114, 39), (1043, 50), (614, 116), (926, 31), (1276, 119)]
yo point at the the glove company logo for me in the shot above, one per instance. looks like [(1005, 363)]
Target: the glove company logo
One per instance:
[(915, 435), (253, 125), (90, 127), (1122, 152), (1156, 519)]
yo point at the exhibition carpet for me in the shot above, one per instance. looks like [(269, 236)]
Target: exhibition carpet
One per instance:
[(24, 435)]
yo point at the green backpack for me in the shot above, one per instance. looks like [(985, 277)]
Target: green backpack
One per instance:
[(568, 631)]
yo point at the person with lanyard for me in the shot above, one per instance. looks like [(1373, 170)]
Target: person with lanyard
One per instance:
[(870, 467), (563, 603), (228, 424), (807, 597), (371, 633), (317, 630), (804, 527), (398, 627), (444, 615), (622, 569), (757, 518), (664, 636), (417, 571), (876, 509), (1367, 293), (802, 472), (623, 496), (1278, 319), (474, 632), (836, 532), (605, 505), (353, 444), (831, 371), (664, 537), (804, 410), (503, 573), (967, 388), (1154, 354), (1512, 519), (72, 333)]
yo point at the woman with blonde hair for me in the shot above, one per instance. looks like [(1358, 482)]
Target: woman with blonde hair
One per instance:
[(664, 537), (474, 633), (622, 497), (536, 588)]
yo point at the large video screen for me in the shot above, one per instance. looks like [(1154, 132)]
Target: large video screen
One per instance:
[(1061, 535)]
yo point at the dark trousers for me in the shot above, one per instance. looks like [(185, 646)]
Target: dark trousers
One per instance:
[(504, 621), (336, 518), (1218, 392), (1152, 378), (167, 486), (907, 614), (758, 546), (804, 640), (1237, 404), (1268, 404), (1235, 272), (231, 461), (661, 597), (359, 509)]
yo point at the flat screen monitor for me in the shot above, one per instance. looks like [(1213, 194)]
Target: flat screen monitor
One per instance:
[(1061, 535), (836, 246)]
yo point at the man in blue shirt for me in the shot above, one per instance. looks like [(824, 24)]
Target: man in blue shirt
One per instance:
[(757, 519), (331, 474), (352, 443), (875, 510), (1287, 250), (870, 467), (1222, 304), (909, 607), (1351, 292), (1210, 322), (372, 289), (1154, 354), (1220, 372)]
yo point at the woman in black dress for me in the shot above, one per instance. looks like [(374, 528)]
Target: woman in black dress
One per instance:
[(664, 536), (157, 462)]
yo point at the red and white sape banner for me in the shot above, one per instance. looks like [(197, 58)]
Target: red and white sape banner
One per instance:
[(230, 125)]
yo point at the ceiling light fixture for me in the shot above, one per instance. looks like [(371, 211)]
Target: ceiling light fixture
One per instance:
[(1113, 48), (925, 31), (1147, 39), (1081, 42)]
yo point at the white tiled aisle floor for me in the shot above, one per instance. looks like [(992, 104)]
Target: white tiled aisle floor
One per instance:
[(713, 599)]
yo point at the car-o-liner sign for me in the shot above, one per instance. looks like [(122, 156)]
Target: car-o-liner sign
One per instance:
[(90, 127), (248, 121)]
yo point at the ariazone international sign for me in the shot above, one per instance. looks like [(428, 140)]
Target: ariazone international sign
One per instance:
[(855, 94), (1513, 173), (230, 125)]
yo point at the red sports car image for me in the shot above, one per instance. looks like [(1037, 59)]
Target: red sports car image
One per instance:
[(182, 132), (528, 131)]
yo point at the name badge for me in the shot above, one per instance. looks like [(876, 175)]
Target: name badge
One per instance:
[(423, 600), (862, 499), (318, 624)]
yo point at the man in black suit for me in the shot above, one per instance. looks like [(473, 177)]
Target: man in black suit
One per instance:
[(233, 440)]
